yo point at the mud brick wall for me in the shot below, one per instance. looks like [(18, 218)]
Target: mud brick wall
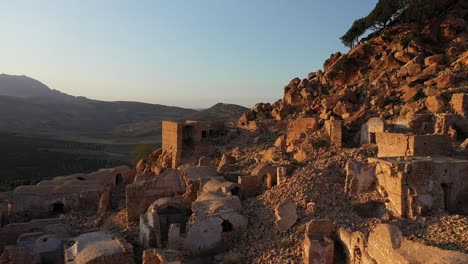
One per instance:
[(430, 145), (172, 140), (399, 145)]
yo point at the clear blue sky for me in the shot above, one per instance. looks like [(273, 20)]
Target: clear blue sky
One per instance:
[(191, 53)]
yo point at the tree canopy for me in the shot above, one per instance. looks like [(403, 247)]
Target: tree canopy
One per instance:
[(383, 13)]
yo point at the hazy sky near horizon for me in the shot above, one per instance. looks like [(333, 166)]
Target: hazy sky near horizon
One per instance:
[(191, 53)]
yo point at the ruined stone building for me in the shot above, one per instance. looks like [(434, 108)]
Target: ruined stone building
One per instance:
[(217, 214), (194, 210), (61, 194), (44, 241), (163, 223), (187, 138), (415, 172), (140, 195), (386, 244)]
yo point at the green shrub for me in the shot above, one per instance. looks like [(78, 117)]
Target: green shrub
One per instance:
[(139, 152)]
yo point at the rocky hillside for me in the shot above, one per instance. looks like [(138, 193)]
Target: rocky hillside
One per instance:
[(403, 69)]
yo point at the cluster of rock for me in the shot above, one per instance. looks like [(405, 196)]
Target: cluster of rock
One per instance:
[(389, 75), (401, 95)]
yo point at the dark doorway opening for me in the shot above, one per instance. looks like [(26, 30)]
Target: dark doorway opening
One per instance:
[(446, 190), (372, 138), (80, 178), (235, 191), (118, 179), (227, 226), (167, 216), (203, 134), (58, 208)]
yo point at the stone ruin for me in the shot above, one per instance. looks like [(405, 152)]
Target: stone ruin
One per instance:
[(190, 208), (385, 244), (217, 215), (49, 240), (183, 139), (76, 192), (418, 185), (368, 130), (415, 173), (162, 223), (194, 209), (196, 220), (141, 194)]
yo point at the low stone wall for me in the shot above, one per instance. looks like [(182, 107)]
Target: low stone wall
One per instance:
[(400, 145)]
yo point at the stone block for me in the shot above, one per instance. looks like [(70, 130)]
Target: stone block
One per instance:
[(286, 216)]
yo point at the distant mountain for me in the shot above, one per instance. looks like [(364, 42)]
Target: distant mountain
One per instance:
[(28, 106), (26, 87), (220, 111)]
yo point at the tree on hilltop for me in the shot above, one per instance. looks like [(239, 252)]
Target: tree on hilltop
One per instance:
[(383, 13)]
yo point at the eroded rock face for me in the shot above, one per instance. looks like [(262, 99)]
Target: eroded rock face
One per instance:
[(286, 216)]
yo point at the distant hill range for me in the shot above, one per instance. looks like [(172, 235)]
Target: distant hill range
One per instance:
[(28, 106)]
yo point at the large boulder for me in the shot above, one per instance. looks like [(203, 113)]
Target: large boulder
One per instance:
[(300, 127), (434, 104)]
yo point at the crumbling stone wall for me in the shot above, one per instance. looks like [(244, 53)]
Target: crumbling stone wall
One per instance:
[(42, 201), (416, 186), (216, 217), (334, 129), (140, 195), (61, 194), (399, 145), (155, 224)]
